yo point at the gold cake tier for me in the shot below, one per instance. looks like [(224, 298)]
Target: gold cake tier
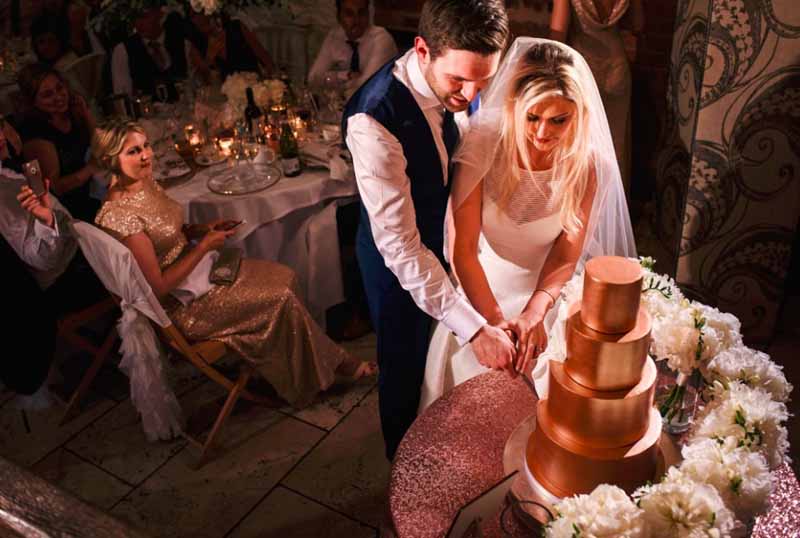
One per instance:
[(566, 468), (600, 419), (602, 361), (612, 287)]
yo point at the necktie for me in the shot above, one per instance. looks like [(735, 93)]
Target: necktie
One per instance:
[(354, 59), (449, 133), (157, 53)]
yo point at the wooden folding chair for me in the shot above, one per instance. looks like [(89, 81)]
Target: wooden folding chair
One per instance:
[(119, 272), (68, 326)]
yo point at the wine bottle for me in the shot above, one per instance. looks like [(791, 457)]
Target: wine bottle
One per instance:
[(290, 156), (251, 113)]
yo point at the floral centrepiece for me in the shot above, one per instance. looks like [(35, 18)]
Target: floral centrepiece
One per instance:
[(265, 93), (606, 512), (725, 478)]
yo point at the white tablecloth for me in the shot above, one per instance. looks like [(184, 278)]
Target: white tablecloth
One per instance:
[(293, 222)]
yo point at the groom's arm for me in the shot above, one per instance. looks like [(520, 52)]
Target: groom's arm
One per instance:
[(385, 190)]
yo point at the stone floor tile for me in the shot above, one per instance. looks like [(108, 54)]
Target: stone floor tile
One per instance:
[(285, 513), (81, 478), (348, 470), (257, 447), (25, 439)]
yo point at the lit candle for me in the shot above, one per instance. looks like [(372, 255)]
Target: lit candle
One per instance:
[(225, 146), (193, 135)]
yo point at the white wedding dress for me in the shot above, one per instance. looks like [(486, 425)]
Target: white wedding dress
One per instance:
[(513, 246)]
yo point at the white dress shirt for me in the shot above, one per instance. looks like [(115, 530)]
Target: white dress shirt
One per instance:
[(385, 190), (47, 251), (120, 66), (375, 48)]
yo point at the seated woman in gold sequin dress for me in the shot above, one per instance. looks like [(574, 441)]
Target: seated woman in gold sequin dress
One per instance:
[(259, 316)]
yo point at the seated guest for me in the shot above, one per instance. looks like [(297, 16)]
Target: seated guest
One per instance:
[(155, 54), (260, 316), (80, 38), (49, 42), (13, 146), (227, 45), (354, 49), (46, 276), (57, 131)]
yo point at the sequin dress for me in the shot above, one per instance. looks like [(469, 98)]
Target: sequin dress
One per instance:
[(260, 316), (512, 248)]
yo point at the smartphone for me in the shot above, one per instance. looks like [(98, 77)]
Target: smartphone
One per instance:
[(33, 173), (231, 225)]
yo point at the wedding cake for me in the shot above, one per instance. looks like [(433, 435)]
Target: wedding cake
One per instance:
[(598, 424)]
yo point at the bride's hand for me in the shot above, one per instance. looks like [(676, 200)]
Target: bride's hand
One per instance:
[(531, 339)]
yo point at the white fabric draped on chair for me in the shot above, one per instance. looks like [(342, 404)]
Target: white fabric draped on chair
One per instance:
[(142, 357)]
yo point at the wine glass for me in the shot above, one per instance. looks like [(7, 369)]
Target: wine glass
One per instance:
[(250, 148), (271, 172)]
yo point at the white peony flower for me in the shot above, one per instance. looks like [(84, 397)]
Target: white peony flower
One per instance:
[(722, 330), (606, 512), (751, 367), (748, 415), (679, 507), (741, 477)]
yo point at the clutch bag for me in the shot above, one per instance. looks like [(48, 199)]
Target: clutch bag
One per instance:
[(226, 268)]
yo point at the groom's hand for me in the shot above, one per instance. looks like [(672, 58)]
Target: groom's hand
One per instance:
[(494, 349)]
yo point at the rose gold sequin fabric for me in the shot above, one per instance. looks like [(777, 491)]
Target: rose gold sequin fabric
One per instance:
[(151, 211), (454, 452), (532, 200), (260, 316)]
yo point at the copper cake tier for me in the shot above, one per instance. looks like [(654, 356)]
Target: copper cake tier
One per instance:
[(566, 468), (612, 288), (600, 419), (603, 361)]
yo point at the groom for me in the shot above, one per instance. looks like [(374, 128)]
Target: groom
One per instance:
[(401, 132)]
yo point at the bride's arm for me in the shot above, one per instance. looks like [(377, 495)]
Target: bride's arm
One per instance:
[(557, 270), (465, 257)]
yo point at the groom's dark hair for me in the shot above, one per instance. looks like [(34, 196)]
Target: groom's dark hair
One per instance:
[(473, 25)]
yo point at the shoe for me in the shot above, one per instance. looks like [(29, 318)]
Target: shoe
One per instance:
[(364, 369)]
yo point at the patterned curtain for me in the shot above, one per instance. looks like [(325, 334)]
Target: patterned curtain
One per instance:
[(728, 196)]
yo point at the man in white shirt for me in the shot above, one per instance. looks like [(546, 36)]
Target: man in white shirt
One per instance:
[(353, 50), (45, 275), (401, 131)]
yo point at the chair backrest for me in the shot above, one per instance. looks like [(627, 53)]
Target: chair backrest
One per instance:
[(118, 270), (88, 72)]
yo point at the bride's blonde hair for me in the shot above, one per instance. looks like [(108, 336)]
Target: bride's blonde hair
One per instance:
[(546, 71)]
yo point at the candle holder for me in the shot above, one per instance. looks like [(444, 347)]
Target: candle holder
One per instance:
[(194, 136)]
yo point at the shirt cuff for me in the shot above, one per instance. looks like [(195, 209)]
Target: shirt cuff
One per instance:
[(44, 231), (463, 320)]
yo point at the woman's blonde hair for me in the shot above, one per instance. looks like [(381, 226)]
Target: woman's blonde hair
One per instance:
[(546, 71), (109, 139)]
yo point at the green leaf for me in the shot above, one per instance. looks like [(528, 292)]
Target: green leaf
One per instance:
[(736, 485), (576, 531)]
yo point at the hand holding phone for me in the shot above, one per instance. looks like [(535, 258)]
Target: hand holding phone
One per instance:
[(33, 173), (229, 225)]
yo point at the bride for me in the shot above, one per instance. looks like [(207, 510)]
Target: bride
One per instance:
[(537, 192)]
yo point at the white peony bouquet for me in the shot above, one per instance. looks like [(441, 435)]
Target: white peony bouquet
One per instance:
[(741, 477), (679, 507), (750, 417), (752, 368), (607, 512)]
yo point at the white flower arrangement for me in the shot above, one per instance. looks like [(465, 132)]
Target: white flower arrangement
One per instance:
[(748, 415), (752, 368), (741, 477), (208, 7), (607, 512), (265, 92), (679, 507)]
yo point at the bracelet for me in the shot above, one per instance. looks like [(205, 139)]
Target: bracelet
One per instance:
[(548, 294)]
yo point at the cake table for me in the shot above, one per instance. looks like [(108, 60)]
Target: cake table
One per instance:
[(454, 451)]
